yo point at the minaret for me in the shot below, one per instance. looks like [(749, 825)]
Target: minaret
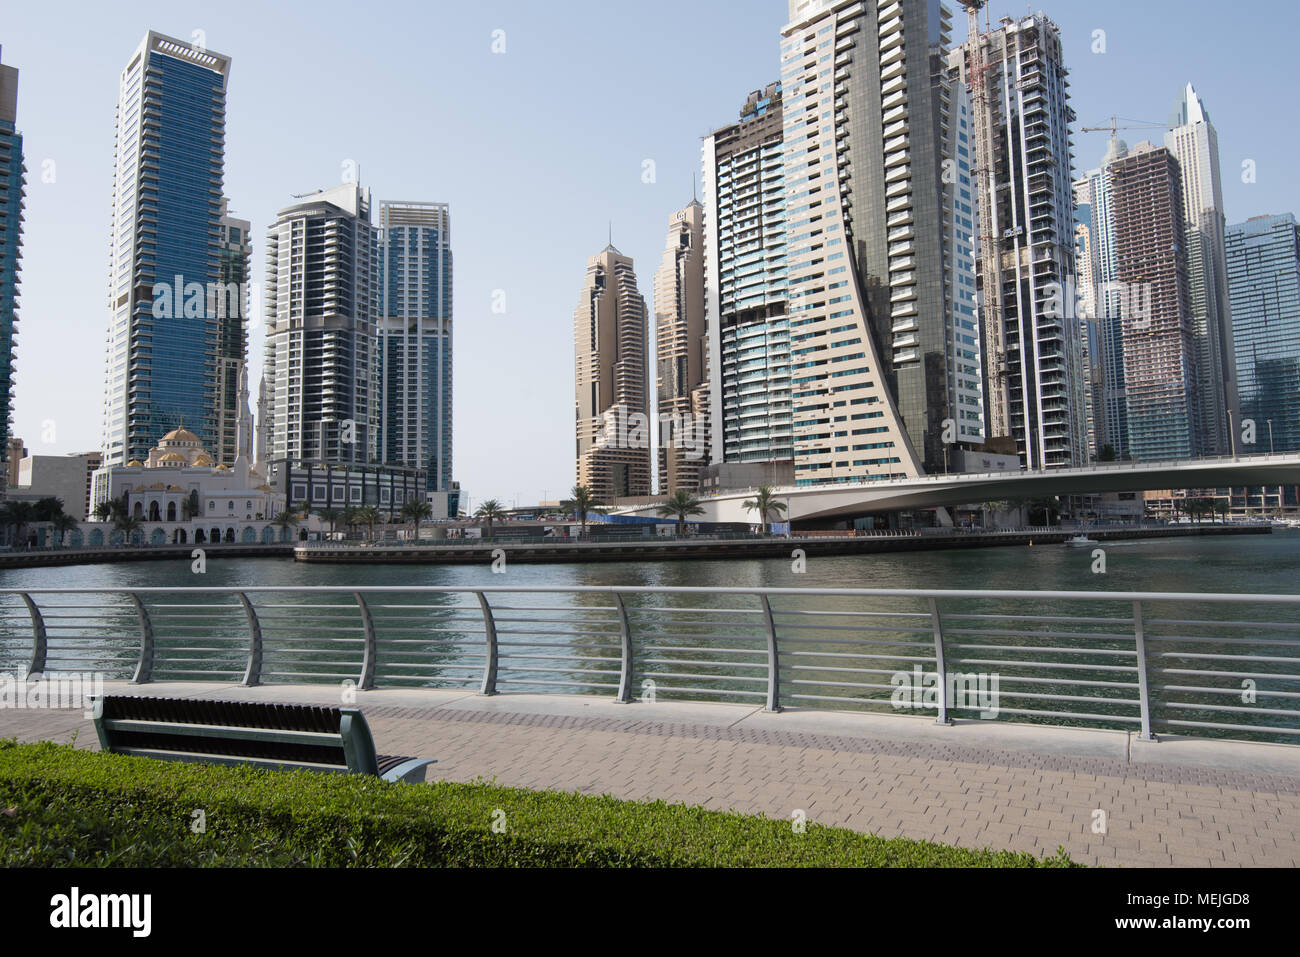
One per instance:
[(263, 449), (244, 427)]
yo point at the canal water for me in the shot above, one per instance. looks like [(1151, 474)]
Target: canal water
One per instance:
[(836, 652), (1253, 564)]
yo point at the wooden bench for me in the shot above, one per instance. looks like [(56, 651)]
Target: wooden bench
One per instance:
[(285, 736)]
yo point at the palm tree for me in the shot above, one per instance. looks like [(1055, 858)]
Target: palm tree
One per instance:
[(582, 502), (47, 508), (285, 521), (328, 514), (417, 510), (681, 504), (765, 503), (105, 509), (128, 525), (368, 515), (64, 523), (490, 511), (19, 515), (348, 516)]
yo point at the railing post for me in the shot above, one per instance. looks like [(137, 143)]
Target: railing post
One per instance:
[(1144, 690), (940, 663), (253, 673), (144, 667), (625, 652), (490, 655), (39, 642), (773, 662), (368, 659)]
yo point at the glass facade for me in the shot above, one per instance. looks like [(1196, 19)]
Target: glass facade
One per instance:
[(167, 206), (13, 180), (1263, 265), (415, 339), (749, 330)]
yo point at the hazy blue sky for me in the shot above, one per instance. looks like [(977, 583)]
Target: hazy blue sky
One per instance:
[(536, 150)]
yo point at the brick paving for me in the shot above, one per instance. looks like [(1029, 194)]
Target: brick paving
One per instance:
[(1155, 815)]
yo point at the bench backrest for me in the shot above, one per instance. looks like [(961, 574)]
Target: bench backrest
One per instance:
[(237, 732)]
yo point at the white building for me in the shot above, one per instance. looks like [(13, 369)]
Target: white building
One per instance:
[(181, 495), (1195, 145)]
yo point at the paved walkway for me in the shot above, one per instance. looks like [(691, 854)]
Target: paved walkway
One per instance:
[(1178, 801)]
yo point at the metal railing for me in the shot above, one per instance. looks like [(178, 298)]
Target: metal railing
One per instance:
[(1212, 664)]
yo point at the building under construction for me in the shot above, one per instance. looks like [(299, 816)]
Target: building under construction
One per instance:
[(1023, 160)]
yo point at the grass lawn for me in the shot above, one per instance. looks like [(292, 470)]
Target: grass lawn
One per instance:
[(64, 807)]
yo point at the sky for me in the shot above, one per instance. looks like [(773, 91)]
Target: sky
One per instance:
[(540, 150)]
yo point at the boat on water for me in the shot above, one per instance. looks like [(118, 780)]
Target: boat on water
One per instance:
[(1078, 541)]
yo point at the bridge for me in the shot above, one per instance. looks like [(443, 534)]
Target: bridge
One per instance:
[(846, 499)]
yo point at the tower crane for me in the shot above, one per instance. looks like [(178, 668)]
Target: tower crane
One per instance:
[(1114, 126)]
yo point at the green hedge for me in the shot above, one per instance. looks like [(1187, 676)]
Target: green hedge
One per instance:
[(61, 806)]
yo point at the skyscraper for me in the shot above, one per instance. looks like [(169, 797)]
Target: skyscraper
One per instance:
[(611, 409), (1195, 144), (1160, 375), (1033, 366), (415, 401), (745, 285), (322, 300), (681, 353), (1100, 286), (231, 304), (164, 250), (13, 185), (1263, 267), (867, 119)]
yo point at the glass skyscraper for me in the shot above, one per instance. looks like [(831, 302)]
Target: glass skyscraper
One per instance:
[(745, 286), (415, 340), (1263, 266), (231, 303), (13, 180), (161, 366)]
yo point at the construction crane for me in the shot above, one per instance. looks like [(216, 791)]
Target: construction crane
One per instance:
[(1114, 126)]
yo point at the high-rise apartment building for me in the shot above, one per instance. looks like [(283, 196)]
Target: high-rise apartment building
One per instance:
[(745, 285), (681, 353), (867, 122), (164, 249), (415, 397), (1107, 300), (231, 305), (1263, 267), (1160, 375), (1034, 378), (322, 301), (612, 415), (13, 185), (1195, 144)]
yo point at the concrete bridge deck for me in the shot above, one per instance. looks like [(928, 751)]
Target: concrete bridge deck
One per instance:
[(1175, 802)]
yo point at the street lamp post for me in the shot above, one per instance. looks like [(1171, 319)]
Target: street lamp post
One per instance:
[(1270, 436), (1232, 435)]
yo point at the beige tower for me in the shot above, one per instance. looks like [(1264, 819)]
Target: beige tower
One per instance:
[(680, 339), (611, 415)]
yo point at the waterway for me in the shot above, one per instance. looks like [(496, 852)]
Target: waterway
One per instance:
[(1256, 564)]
